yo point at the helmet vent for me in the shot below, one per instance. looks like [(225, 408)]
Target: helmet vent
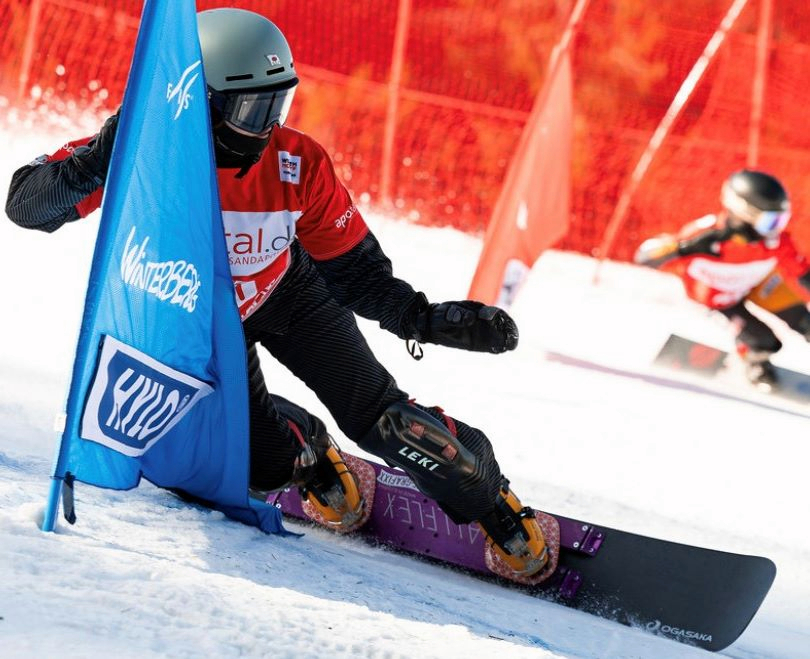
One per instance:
[(271, 72), (241, 76)]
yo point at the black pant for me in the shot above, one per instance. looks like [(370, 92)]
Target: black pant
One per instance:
[(305, 329), (755, 335)]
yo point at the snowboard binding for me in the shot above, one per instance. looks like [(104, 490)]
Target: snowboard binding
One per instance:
[(762, 375), (332, 496), (336, 490), (516, 541)]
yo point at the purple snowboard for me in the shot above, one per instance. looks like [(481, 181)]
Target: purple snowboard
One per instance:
[(689, 594), (406, 519)]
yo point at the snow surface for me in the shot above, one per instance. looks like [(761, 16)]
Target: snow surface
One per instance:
[(143, 575)]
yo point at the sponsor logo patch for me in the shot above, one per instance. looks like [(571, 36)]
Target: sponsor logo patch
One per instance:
[(396, 480), (179, 92), (348, 214), (176, 282), (733, 280), (289, 168), (135, 400), (657, 627), (255, 239)]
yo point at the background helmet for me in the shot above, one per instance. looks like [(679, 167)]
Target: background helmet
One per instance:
[(757, 199), (250, 76)]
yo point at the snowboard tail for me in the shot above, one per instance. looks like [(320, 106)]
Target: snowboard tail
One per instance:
[(697, 596), (681, 354)]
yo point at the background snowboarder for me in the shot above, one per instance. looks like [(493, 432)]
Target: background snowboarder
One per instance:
[(742, 254)]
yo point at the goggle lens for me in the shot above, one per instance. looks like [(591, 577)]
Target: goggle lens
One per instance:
[(253, 112), (772, 223)]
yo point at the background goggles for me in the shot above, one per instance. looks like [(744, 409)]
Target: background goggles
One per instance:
[(254, 111), (771, 223)]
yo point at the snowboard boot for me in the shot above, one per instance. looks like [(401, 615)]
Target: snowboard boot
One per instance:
[(759, 370), (762, 375), (325, 483), (513, 532)]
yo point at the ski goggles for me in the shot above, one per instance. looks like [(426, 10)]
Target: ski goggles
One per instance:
[(771, 223), (252, 112)]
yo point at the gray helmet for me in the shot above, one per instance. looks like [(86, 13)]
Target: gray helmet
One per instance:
[(251, 82), (242, 49)]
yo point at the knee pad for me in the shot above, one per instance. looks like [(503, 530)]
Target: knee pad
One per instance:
[(464, 480)]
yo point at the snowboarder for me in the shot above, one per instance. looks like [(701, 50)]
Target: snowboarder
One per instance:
[(303, 263), (739, 255)]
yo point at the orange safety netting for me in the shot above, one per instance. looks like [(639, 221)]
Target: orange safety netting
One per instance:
[(471, 71)]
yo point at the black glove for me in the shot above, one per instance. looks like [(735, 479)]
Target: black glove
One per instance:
[(93, 160), (707, 243), (466, 324)]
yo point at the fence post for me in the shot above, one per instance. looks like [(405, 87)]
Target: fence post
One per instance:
[(392, 111), (673, 112), (758, 91), (28, 48)]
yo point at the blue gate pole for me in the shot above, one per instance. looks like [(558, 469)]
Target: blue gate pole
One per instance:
[(52, 505)]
